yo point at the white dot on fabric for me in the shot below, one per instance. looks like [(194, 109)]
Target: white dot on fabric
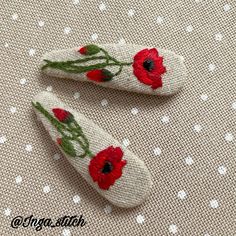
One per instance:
[(56, 156), (46, 189), (75, 2), (67, 30), (18, 179), (189, 160), (23, 81), (41, 23), (206, 234), (14, 16), (13, 110), (28, 147), (104, 102), (222, 170), (214, 204), (227, 7), (94, 36), (32, 52), (102, 6), (140, 219), (211, 67), (3, 139), (218, 37), (204, 97), (121, 41), (134, 111), (182, 194), (159, 20), (165, 119), (189, 28), (49, 88), (197, 128), (126, 142), (108, 209), (131, 12), (7, 212), (233, 105), (157, 151), (173, 229), (76, 199), (66, 232), (229, 137), (6, 45), (76, 95)]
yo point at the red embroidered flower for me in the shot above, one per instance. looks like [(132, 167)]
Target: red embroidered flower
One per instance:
[(106, 167), (148, 67), (63, 115), (100, 75)]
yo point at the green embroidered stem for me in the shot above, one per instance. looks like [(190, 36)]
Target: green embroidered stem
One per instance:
[(75, 131)]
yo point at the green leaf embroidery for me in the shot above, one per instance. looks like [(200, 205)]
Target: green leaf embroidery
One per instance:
[(67, 147)]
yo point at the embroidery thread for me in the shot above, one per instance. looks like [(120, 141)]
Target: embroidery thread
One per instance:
[(105, 167), (147, 65)]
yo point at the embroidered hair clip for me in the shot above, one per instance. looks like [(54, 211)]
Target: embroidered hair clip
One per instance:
[(124, 67), (117, 174)]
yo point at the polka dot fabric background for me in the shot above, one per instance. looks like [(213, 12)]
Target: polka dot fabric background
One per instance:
[(187, 140)]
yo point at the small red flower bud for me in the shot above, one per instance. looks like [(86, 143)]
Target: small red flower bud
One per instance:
[(59, 141), (100, 75), (90, 49), (63, 115), (83, 50)]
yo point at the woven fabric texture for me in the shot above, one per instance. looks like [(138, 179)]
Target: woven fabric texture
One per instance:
[(187, 140)]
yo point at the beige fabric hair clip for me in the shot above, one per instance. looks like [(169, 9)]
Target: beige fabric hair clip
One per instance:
[(116, 173), (125, 67)]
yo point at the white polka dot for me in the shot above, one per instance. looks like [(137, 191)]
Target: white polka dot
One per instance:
[(104, 102), (140, 219), (121, 41), (173, 229), (157, 151), (204, 97), (227, 7), (76, 95), (28, 147), (197, 128), (233, 105), (197, 1), (222, 170), (206, 234), (134, 111), (46, 189), (41, 23), (14, 16), (66, 232), (229, 137), (189, 28), (23, 81), (56, 156), (32, 52), (189, 160), (159, 20), (108, 209), (94, 36), (6, 45), (102, 6), (214, 203), (218, 37), (182, 194), (211, 67), (131, 12), (3, 139), (75, 2), (7, 212), (13, 110), (165, 119), (126, 142), (76, 199), (67, 30), (18, 179), (49, 88)]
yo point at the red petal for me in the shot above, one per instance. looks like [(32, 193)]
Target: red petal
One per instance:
[(95, 75), (141, 55), (153, 53), (83, 50)]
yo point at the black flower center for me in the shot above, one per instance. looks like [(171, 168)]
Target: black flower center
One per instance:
[(148, 64), (107, 168)]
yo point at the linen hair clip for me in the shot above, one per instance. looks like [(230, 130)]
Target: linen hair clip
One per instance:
[(124, 67), (116, 173)]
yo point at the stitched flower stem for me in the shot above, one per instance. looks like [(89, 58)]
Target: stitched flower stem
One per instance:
[(73, 128)]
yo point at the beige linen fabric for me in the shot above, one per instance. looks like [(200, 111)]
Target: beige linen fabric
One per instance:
[(187, 141)]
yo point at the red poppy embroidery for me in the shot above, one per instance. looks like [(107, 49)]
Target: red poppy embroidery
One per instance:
[(148, 67), (106, 167), (63, 115), (99, 75)]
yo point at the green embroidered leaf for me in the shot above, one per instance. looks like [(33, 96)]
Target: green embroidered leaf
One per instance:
[(92, 49), (108, 75), (67, 147)]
